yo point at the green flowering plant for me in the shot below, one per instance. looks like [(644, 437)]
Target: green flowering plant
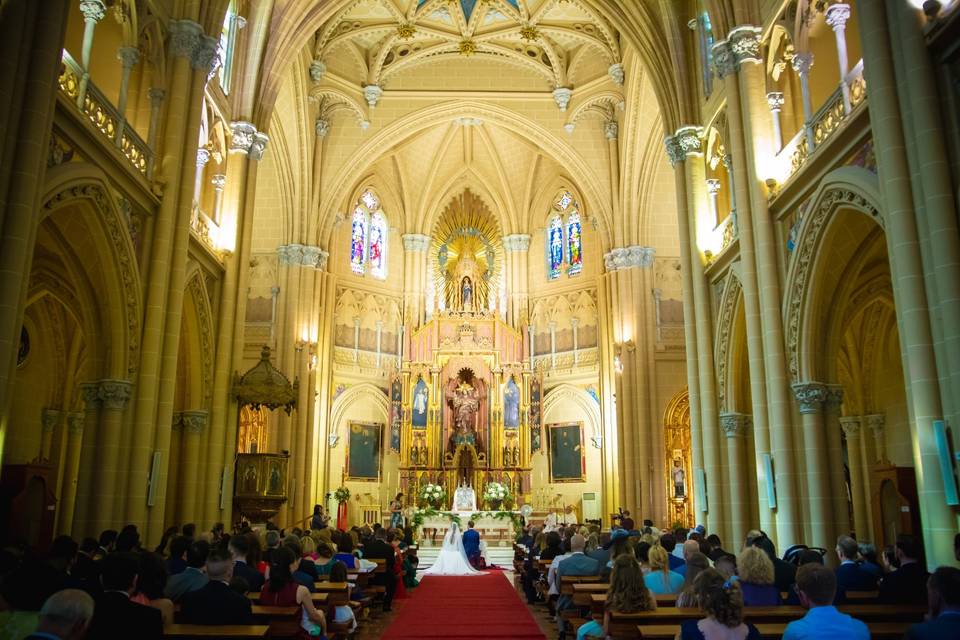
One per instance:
[(341, 495)]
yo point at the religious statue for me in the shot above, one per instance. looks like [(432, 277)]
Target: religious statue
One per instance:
[(511, 405), (679, 479), (464, 400), (465, 498), (467, 295)]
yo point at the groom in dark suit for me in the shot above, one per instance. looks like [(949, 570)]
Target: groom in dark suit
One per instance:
[(471, 545)]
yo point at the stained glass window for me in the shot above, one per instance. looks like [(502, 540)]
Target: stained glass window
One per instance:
[(377, 254), (358, 241), (574, 244), (555, 246), (370, 201)]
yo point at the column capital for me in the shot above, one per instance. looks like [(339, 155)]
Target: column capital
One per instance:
[(219, 181), (876, 421), (317, 69), (416, 242), (611, 129), (834, 397), (115, 393), (745, 44), (50, 418), (723, 61), (157, 95), (203, 157), (562, 96), (75, 423), (850, 425), (128, 56), (176, 421), (194, 421), (372, 94), (205, 55), (184, 37), (628, 258), (735, 425), (690, 139), (775, 100), (290, 255), (90, 391), (93, 10), (802, 62), (516, 242), (713, 186), (259, 145), (241, 136), (837, 16), (810, 396), (315, 257), (616, 73), (322, 127)]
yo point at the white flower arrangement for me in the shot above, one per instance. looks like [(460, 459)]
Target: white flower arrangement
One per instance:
[(432, 492), (496, 491)]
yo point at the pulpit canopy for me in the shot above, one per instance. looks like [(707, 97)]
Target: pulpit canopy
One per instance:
[(266, 386)]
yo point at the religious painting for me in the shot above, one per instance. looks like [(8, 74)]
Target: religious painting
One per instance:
[(358, 239), (679, 477), (275, 476), (396, 414), (535, 430), (363, 451), (249, 477), (567, 460), (511, 405), (574, 244), (555, 247), (421, 396)]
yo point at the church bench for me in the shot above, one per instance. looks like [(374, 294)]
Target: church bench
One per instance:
[(568, 582), (189, 631), (862, 596), (768, 630), (582, 592), (319, 600)]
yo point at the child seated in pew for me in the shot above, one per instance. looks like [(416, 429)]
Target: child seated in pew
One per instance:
[(722, 602), (343, 613), (410, 563), (282, 591), (627, 594)]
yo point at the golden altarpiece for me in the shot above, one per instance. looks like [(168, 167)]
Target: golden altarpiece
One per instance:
[(465, 405)]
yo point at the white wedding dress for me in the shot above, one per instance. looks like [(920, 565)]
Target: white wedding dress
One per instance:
[(452, 560)]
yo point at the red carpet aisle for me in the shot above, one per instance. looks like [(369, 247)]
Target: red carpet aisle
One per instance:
[(464, 607)]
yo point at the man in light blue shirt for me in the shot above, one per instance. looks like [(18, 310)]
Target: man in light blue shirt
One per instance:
[(816, 587)]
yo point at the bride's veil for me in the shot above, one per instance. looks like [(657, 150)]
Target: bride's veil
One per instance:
[(453, 540)]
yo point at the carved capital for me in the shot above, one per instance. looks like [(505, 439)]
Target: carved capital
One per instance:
[(745, 44), (611, 129), (628, 258), (734, 425), (90, 392), (184, 37), (156, 96), (75, 423), (690, 139), (176, 421), (834, 397), (290, 255), (115, 394), (674, 153), (516, 242), (50, 418), (205, 55), (810, 396), (322, 127), (128, 56), (713, 186), (562, 96), (616, 73), (876, 422), (317, 69), (775, 101), (203, 157), (259, 145), (415, 242), (723, 61), (241, 137), (837, 16), (802, 62), (219, 181), (372, 94), (194, 422), (93, 10), (850, 426)]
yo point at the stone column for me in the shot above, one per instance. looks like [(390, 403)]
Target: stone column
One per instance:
[(735, 426), (837, 16), (156, 101), (802, 63), (906, 267), (84, 524), (108, 492), (517, 247), (877, 422), (128, 57), (553, 343), (174, 488), (219, 181), (194, 424), (68, 491), (811, 397), (93, 12), (574, 322), (415, 247), (851, 428), (203, 157), (838, 484), (49, 418), (713, 189), (775, 100)]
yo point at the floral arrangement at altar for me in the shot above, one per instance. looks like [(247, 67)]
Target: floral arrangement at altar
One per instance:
[(433, 494), (496, 494), (341, 495)]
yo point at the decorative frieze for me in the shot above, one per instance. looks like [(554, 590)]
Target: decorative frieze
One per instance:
[(850, 426), (690, 139), (49, 418), (417, 242), (258, 146), (299, 255), (811, 396), (723, 59), (128, 56), (242, 134), (837, 16), (628, 258), (516, 242), (802, 62), (194, 422), (93, 10)]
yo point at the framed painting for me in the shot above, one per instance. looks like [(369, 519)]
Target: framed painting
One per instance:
[(567, 460), (364, 451), (421, 397)]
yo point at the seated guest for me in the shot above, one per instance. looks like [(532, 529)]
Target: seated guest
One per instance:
[(850, 577), (553, 546), (716, 547), (343, 613), (168, 535), (943, 619), (816, 587), (216, 603), (115, 617), (689, 547), (282, 591), (906, 585), (107, 539), (151, 580), (602, 553), (189, 531), (345, 551), (642, 552), (378, 549), (807, 556), (128, 539), (576, 564), (85, 570), (410, 563), (784, 573), (755, 572), (696, 564), (888, 559), (325, 559), (192, 577), (869, 561), (64, 616), (627, 594), (309, 548), (306, 564), (177, 563), (661, 579), (239, 547), (722, 602), (669, 544), (273, 541), (727, 566)]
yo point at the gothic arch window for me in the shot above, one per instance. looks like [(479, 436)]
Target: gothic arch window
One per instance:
[(228, 40), (564, 237), (368, 237)]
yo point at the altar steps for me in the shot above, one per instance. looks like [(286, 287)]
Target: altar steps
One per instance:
[(500, 556)]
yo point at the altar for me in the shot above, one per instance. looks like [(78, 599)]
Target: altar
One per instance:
[(495, 527)]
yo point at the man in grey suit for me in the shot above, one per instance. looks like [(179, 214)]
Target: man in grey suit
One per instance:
[(576, 564), (193, 577)]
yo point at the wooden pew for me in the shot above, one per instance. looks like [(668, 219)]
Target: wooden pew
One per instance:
[(863, 596), (583, 591), (772, 630), (338, 593), (567, 582), (268, 614), (189, 631), (319, 599)]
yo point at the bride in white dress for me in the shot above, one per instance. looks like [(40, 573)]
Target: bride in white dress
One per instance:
[(452, 560)]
